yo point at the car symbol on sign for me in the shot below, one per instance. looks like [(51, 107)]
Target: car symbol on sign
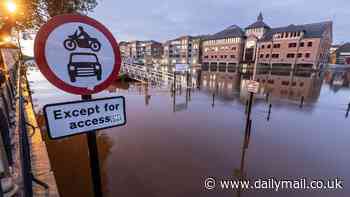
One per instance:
[(84, 65)]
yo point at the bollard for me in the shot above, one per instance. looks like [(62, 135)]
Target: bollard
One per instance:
[(269, 112), (347, 111), (301, 102)]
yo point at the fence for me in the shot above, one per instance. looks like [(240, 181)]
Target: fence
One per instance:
[(13, 121)]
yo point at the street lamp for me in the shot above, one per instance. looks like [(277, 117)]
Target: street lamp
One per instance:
[(11, 6)]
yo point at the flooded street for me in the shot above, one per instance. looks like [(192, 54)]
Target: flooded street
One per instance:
[(169, 149)]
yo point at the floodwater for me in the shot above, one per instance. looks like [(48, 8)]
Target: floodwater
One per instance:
[(169, 149)]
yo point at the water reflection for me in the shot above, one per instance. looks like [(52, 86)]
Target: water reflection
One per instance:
[(70, 161), (162, 153), (291, 85)]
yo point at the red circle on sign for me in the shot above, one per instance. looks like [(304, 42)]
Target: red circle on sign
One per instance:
[(40, 57)]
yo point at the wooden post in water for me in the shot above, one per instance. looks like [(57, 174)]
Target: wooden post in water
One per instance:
[(347, 111), (269, 112), (213, 103), (301, 102)]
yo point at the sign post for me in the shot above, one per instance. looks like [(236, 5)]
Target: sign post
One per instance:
[(79, 55), (94, 160), (252, 87)]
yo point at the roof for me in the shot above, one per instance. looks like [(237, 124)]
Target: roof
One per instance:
[(259, 23), (344, 48), (313, 30), (229, 32)]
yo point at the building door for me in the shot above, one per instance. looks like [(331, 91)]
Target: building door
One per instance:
[(249, 54)]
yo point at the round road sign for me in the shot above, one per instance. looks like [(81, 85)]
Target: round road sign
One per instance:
[(77, 54)]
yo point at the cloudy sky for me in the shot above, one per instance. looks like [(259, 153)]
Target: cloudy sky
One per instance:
[(166, 19)]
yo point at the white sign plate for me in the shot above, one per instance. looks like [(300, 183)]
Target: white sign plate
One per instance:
[(72, 118), (253, 86), (181, 67)]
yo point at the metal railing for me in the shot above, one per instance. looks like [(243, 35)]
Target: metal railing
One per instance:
[(25, 152)]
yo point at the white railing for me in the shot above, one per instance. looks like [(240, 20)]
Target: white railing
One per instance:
[(151, 75)]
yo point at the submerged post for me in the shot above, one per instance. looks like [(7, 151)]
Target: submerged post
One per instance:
[(269, 112), (301, 102), (347, 111), (213, 102)]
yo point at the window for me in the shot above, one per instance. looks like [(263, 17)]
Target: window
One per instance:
[(261, 55), (276, 46), (205, 66), (292, 45), (307, 55), (267, 55), (270, 81), (300, 55), (298, 34), (213, 67), (301, 44), (268, 46), (309, 44), (206, 57), (233, 56), (222, 67), (263, 46), (290, 55), (231, 67), (233, 48), (285, 83), (275, 55)]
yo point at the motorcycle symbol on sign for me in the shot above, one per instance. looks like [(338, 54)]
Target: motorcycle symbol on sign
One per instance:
[(82, 40)]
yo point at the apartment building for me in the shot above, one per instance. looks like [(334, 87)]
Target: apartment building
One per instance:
[(292, 46), (223, 51), (184, 50), (142, 51)]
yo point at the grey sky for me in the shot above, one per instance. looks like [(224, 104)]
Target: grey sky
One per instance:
[(167, 19)]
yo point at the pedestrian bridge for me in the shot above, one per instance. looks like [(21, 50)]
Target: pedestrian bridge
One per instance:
[(153, 75)]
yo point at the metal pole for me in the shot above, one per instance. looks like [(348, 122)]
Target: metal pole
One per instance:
[(248, 121), (213, 103), (301, 102), (94, 160), (174, 82)]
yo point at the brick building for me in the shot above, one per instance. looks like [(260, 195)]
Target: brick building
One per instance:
[(292, 46), (223, 50)]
